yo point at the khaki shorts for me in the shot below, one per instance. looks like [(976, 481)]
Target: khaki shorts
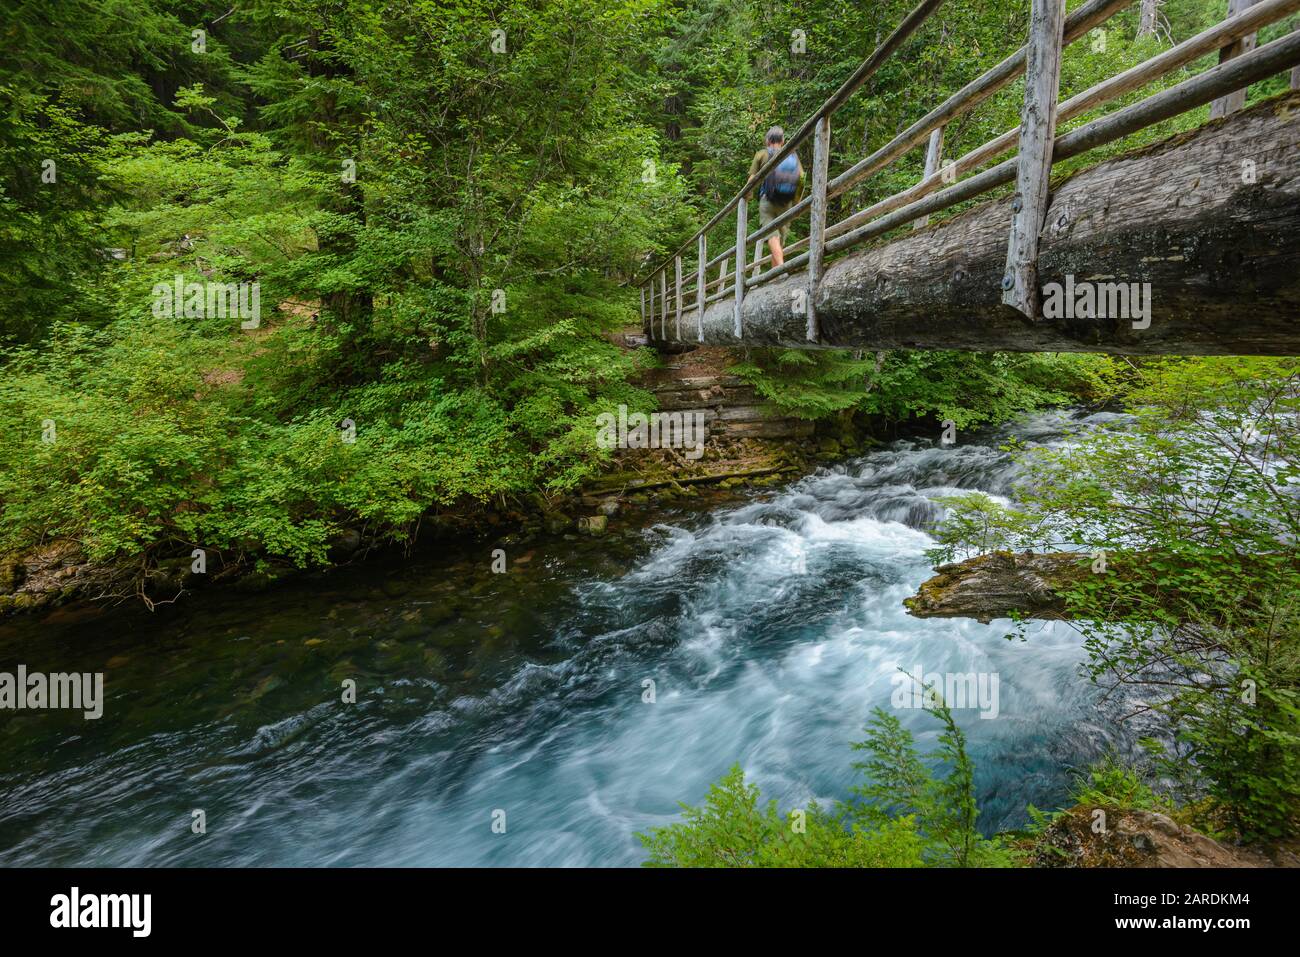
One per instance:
[(768, 211)]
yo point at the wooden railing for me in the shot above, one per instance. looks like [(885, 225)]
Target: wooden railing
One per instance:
[(1035, 142)]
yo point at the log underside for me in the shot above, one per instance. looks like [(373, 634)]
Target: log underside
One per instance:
[(1221, 254)]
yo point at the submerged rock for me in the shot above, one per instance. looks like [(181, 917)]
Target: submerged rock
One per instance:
[(558, 522), (593, 524)]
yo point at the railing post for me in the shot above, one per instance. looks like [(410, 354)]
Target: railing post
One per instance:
[(678, 264), (663, 300), (933, 155), (1237, 99), (650, 314), (1295, 70), (817, 219), (1034, 166), (643, 307), (701, 286), (1147, 17), (742, 229)]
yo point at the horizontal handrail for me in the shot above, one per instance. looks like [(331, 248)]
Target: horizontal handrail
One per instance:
[(834, 102), (1196, 91), (1087, 17), (960, 103), (1207, 41)]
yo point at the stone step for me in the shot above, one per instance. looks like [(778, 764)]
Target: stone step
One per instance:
[(772, 429), (698, 382), (748, 413), (696, 398)]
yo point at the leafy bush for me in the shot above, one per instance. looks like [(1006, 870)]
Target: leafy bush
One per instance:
[(898, 783), (806, 385), (976, 524), (1110, 783), (963, 387), (1242, 750), (459, 321), (732, 829), (900, 816), (1192, 499)]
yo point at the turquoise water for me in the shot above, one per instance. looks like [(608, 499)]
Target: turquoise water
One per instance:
[(770, 627)]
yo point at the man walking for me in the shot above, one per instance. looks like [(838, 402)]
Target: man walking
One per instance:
[(782, 188)]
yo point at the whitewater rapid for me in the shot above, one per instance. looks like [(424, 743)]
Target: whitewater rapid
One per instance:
[(767, 632)]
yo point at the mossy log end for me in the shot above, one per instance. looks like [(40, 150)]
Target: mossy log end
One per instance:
[(999, 585)]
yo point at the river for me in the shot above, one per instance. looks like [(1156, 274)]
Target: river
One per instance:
[(770, 626)]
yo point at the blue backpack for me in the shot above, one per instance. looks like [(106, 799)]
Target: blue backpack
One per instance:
[(783, 182)]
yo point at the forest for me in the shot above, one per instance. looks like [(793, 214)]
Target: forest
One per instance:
[(425, 220)]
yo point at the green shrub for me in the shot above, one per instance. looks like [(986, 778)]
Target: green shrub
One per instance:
[(732, 829), (1192, 500), (900, 816)]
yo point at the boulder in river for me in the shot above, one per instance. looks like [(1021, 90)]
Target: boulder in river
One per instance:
[(998, 584), (593, 524)]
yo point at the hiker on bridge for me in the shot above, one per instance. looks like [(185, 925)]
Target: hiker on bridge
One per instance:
[(782, 188)]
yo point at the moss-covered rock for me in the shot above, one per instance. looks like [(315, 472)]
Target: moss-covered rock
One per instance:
[(593, 524)]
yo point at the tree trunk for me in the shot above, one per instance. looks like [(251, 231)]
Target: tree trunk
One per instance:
[(999, 585), (1295, 70), (348, 307), (1148, 17), (1030, 585)]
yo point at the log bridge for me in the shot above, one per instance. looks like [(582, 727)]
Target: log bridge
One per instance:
[(1189, 246)]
